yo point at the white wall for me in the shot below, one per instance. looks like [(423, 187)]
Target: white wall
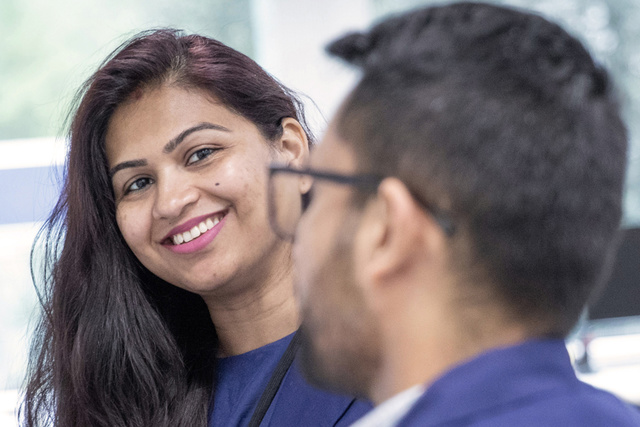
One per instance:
[(289, 41)]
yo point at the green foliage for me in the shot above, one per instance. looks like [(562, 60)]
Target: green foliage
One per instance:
[(49, 48)]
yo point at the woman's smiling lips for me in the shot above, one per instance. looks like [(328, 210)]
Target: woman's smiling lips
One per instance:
[(194, 234)]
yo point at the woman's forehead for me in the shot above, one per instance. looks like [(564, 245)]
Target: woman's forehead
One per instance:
[(161, 114)]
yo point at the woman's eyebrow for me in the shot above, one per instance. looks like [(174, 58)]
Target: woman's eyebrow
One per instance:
[(125, 165), (171, 145)]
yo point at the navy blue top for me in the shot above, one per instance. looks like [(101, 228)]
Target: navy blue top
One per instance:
[(528, 385), (241, 379)]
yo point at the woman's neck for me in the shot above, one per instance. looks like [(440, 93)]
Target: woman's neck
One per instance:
[(256, 316)]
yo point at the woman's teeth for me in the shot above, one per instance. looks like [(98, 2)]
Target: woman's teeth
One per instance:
[(196, 231)]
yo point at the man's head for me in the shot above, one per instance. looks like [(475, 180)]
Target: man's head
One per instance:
[(494, 119)]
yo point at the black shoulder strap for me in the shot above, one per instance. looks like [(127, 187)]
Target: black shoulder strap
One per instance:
[(274, 382)]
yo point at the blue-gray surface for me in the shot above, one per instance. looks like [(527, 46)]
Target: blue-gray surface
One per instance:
[(28, 195)]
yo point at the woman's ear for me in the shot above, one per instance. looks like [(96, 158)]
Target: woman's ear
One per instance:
[(293, 145)]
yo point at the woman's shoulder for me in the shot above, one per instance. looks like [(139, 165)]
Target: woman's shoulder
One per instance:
[(300, 403)]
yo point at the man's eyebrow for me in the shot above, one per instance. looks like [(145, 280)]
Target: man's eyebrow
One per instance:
[(125, 165), (171, 145)]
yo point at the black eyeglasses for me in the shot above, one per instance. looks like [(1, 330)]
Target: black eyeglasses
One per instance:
[(286, 206)]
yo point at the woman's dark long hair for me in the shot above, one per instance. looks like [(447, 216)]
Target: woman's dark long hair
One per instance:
[(115, 345)]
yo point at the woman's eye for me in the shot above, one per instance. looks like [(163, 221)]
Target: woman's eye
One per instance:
[(138, 185), (200, 155)]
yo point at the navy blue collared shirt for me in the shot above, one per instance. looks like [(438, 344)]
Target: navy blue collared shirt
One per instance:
[(528, 385)]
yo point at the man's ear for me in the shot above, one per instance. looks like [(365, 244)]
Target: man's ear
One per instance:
[(396, 233), (293, 145)]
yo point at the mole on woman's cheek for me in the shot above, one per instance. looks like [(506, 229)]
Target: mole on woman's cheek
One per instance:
[(217, 183)]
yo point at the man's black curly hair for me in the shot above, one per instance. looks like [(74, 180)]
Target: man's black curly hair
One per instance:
[(504, 121)]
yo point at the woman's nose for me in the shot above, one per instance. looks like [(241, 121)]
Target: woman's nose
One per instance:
[(173, 196)]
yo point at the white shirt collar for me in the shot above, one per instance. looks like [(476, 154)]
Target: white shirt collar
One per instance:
[(389, 412)]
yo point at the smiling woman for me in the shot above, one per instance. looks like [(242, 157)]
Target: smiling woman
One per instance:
[(168, 300), (168, 203)]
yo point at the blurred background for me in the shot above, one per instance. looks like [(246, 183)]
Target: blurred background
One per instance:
[(47, 49)]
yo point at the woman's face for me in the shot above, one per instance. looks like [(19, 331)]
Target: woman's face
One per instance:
[(189, 178)]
